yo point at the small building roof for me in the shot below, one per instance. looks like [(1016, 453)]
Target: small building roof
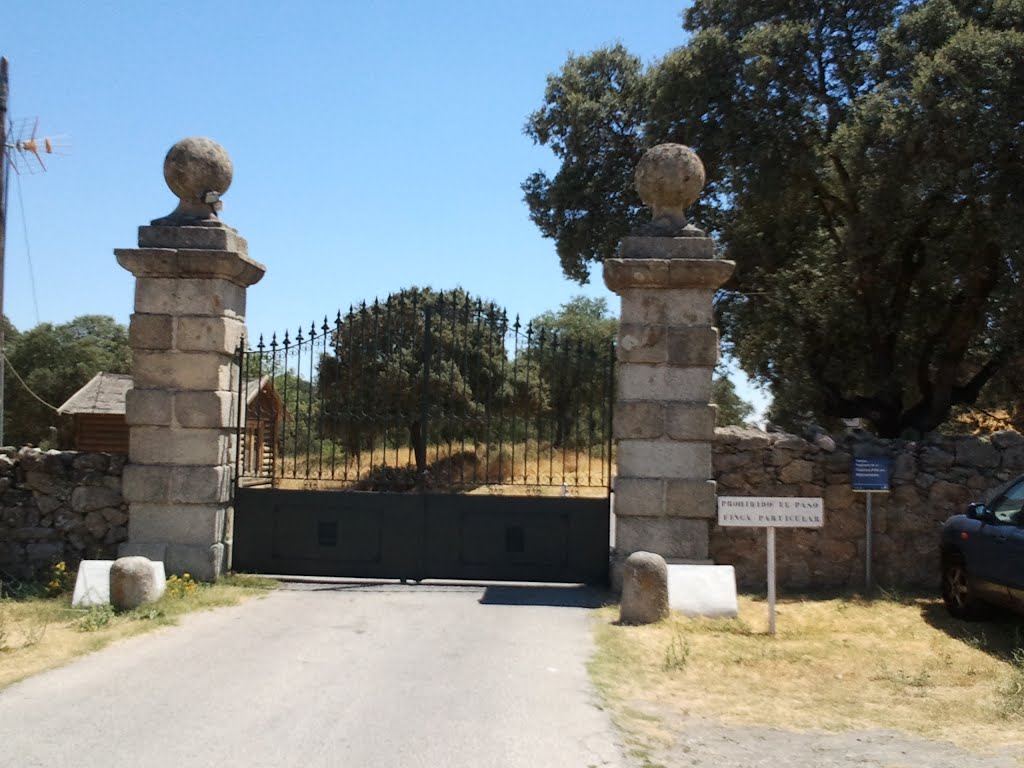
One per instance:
[(105, 394), (253, 387)]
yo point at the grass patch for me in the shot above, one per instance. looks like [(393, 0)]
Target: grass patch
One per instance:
[(836, 663), (1011, 690), (39, 633), (677, 653)]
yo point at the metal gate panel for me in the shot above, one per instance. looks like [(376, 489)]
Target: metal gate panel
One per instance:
[(317, 533), (512, 538), (418, 536)]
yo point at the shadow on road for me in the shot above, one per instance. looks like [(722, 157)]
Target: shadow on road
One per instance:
[(556, 596), (553, 595)]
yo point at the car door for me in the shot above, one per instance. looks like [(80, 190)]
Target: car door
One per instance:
[(1014, 572), (996, 566)]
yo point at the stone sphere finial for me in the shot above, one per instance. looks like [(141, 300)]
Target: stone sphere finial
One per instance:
[(198, 171), (669, 179)]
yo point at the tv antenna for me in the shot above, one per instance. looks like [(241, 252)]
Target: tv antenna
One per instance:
[(25, 153), (22, 151)]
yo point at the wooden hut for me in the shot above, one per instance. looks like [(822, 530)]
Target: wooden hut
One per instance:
[(264, 412), (98, 409)]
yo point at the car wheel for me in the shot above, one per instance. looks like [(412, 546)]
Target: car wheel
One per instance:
[(956, 591)]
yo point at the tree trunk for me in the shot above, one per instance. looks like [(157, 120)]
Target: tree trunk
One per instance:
[(419, 446)]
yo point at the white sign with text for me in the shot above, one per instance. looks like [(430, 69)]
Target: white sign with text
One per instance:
[(771, 511)]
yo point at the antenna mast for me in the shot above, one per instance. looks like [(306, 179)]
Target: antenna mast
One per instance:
[(4, 168)]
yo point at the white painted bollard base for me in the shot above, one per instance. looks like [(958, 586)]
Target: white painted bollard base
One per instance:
[(92, 584), (703, 590)]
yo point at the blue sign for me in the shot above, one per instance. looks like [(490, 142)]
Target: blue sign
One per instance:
[(871, 474)]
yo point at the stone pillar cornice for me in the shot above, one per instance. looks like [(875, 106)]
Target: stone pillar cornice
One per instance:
[(232, 266), (710, 274)]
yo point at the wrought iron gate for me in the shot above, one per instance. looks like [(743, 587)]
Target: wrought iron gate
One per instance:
[(425, 436)]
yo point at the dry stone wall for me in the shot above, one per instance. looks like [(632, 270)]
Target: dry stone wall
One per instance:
[(931, 480), (58, 505), (68, 506)]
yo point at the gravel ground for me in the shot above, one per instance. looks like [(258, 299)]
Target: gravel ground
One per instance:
[(703, 743)]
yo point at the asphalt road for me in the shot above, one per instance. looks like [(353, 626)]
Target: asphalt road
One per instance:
[(331, 675)]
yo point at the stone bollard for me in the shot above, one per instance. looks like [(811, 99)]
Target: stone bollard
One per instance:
[(644, 589), (134, 581)]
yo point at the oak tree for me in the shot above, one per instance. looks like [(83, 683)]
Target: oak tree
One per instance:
[(864, 172)]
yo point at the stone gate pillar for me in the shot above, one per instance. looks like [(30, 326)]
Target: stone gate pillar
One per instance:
[(191, 274), (666, 276)]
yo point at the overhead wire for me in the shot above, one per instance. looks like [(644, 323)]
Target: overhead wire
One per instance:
[(28, 249), (28, 389)]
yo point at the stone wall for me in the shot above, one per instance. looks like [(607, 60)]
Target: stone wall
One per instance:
[(58, 505), (931, 480), (68, 506)]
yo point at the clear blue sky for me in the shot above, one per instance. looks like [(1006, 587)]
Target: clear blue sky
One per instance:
[(376, 145)]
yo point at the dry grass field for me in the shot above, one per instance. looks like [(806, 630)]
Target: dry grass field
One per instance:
[(37, 634), (835, 664), (525, 468)]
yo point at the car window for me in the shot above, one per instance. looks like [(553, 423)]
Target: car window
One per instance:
[(1007, 507)]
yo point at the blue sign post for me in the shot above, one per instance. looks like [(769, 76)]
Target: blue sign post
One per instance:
[(870, 476)]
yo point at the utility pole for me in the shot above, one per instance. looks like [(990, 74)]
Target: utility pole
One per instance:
[(4, 167), (13, 148)]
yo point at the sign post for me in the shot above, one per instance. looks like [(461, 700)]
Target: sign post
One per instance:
[(870, 476), (771, 512), (771, 579)]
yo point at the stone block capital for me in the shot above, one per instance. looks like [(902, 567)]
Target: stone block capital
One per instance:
[(211, 238), (708, 274), (648, 247)]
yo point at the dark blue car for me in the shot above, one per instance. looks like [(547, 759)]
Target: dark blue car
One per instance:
[(983, 554)]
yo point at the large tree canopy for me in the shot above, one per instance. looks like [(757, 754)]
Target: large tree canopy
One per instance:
[(378, 376), (55, 361), (864, 171)]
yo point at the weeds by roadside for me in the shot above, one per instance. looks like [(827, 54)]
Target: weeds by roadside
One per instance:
[(837, 663), (903, 681), (19, 634), (181, 587), (1011, 690), (94, 618), (38, 632), (61, 580), (677, 653)]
